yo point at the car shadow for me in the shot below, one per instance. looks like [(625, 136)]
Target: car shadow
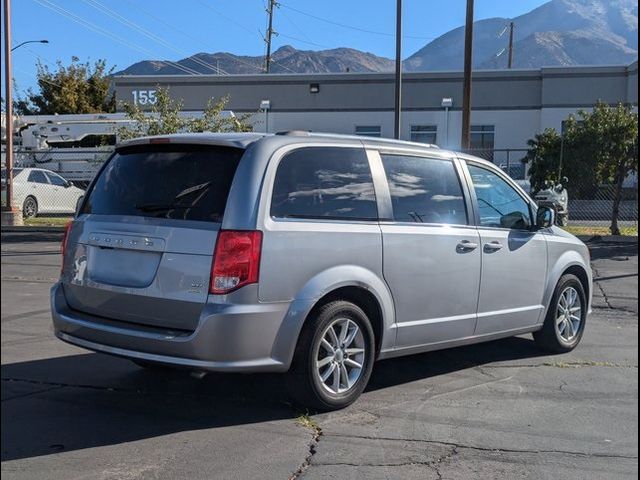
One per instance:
[(388, 373), (612, 251), (91, 400)]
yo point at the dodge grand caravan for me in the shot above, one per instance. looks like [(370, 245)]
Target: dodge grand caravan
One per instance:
[(310, 254)]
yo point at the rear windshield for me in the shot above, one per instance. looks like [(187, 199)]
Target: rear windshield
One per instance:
[(186, 182)]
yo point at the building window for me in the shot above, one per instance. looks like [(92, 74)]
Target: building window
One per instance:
[(424, 133), (482, 141), (369, 130)]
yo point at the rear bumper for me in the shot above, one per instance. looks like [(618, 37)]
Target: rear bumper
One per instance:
[(239, 338)]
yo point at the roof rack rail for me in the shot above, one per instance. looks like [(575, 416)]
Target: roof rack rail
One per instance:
[(295, 133)]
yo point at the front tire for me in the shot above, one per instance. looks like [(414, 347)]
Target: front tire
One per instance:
[(333, 358), (566, 318), (29, 207)]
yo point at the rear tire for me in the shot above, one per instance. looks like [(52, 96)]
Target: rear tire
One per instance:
[(566, 317), (30, 207), (337, 343)]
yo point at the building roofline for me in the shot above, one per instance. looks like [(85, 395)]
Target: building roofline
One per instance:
[(346, 76)]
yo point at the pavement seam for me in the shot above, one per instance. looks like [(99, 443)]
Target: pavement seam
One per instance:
[(486, 449)]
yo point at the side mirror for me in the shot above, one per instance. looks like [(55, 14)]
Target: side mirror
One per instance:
[(546, 217), (565, 180), (68, 184)]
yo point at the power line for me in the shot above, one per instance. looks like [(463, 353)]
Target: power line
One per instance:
[(280, 34), (169, 25), (91, 26), (353, 27), (123, 20), (300, 30)]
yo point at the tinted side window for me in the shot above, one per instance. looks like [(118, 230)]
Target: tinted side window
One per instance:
[(56, 180), (499, 203), (424, 190), (324, 182), (37, 176)]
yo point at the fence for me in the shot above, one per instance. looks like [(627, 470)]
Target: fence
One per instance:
[(53, 194), (588, 205)]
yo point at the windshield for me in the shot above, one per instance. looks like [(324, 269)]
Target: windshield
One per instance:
[(189, 182)]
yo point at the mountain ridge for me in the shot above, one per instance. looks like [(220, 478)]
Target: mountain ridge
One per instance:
[(557, 33)]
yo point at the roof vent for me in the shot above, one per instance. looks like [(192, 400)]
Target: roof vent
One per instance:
[(294, 133)]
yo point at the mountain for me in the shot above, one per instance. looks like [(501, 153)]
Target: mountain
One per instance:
[(285, 60), (559, 32)]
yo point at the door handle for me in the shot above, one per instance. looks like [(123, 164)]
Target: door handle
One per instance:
[(492, 246), (466, 246)]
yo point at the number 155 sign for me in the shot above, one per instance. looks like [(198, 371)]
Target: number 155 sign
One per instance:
[(144, 97)]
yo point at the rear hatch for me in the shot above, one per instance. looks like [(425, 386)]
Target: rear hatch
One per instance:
[(142, 247)]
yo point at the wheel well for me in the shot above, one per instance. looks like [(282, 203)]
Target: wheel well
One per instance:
[(581, 273), (365, 300)]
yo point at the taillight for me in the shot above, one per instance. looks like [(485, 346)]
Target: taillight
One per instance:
[(63, 245), (236, 260)]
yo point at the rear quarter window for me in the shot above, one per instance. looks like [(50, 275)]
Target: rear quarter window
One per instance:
[(324, 183), (187, 182)]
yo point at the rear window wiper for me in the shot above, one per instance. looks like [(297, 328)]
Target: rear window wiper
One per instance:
[(157, 207)]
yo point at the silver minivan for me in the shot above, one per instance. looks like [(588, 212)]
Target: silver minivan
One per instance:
[(310, 254)]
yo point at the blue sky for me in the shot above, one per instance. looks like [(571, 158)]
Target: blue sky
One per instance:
[(173, 29)]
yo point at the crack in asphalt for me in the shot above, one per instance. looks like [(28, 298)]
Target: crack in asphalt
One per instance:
[(30, 279), (433, 464), (28, 394), (460, 446), (85, 386), (313, 444), (601, 288), (580, 364)]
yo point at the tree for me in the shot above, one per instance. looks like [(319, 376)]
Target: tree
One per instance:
[(76, 88), (598, 148), (611, 139), (552, 156), (165, 118)]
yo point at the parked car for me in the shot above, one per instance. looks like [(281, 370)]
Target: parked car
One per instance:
[(555, 196), (40, 191), (310, 254)]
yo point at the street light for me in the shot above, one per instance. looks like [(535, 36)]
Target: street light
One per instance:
[(447, 103), (29, 41), (10, 214), (265, 106)]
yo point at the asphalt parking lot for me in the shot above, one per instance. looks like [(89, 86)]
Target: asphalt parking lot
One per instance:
[(498, 410)]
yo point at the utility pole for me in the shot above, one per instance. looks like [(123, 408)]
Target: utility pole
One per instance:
[(398, 83), (267, 60), (10, 215), (465, 142), (510, 63)]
